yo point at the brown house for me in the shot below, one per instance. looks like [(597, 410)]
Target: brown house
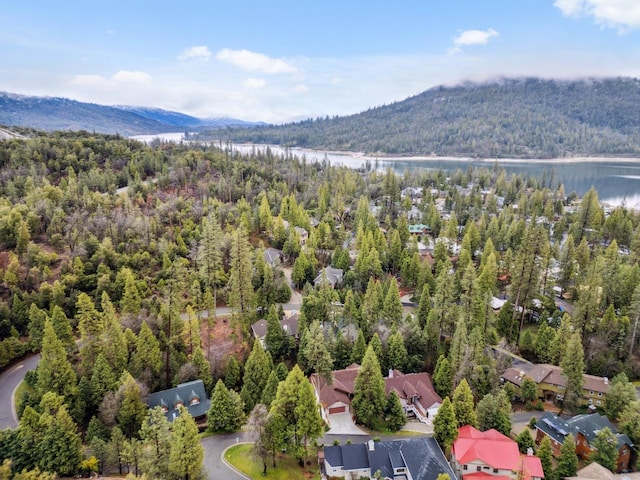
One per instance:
[(584, 429)]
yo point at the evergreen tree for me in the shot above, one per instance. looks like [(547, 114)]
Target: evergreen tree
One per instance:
[(232, 373), (132, 410), (567, 464), (376, 344), (37, 319), (395, 415), (525, 441), (241, 294), (605, 449), (62, 327), (546, 457), (528, 391), (494, 411), (55, 373), (203, 368), (186, 453), (102, 382), (156, 436), (316, 352), (359, 348), (463, 405), (369, 394), (392, 309), (276, 340), (396, 352), (91, 327), (621, 393), (424, 306), (256, 373), (222, 416), (445, 429), (270, 389), (543, 346), (146, 361), (130, 301), (572, 364), (630, 421), (114, 344), (442, 377)]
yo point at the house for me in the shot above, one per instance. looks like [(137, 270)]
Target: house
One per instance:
[(551, 383), (419, 229), (412, 459), (333, 277), (415, 390), (272, 257), (191, 395), (289, 324), (584, 429), (477, 455), (303, 235), (595, 471)]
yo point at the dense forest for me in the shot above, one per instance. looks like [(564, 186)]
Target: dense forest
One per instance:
[(511, 118), (112, 250)]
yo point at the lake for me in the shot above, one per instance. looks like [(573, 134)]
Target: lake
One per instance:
[(617, 181)]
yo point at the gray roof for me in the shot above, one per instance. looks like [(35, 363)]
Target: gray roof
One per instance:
[(422, 456), (184, 393), (587, 424), (272, 256), (333, 276)]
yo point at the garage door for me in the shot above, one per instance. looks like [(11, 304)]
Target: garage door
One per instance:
[(337, 410)]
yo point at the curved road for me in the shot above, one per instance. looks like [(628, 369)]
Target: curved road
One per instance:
[(9, 381)]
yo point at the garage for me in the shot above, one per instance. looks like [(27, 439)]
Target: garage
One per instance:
[(333, 410)]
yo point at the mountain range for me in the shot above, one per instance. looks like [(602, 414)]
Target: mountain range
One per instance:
[(507, 118), (55, 113)]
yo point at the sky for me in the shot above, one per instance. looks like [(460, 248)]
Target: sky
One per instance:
[(285, 60)]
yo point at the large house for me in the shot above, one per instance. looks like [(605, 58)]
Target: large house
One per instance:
[(551, 383), (595, 471), (415, 390), (584, 429), (410, 459), (331, 276), (191, 395), (490, 455)]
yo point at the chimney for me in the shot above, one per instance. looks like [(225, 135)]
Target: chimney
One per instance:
[(372, 445), (391, 373), (606, 380), (529, 452)]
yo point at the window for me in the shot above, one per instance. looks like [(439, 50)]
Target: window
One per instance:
[(194, 401), (495, 470), (599, 394), (598, 402), (590, 392), (464, 467), (560, 387), (478, 468), (590, 401)]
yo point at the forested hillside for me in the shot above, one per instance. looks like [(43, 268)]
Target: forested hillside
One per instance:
[(111, 252), (523, 118)]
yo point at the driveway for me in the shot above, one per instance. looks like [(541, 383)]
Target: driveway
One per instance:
[(214, 447), (342, 424)]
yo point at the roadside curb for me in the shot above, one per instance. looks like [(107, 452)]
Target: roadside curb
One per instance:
[(224, 460)]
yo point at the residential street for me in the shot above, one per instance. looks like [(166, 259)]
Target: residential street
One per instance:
[(9, 381)]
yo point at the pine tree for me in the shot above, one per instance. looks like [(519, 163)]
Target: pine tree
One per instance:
[(369, 392), (621, 393), (37, 319), (442, 377), (203, 368), (256, 373), (463, 405), (222, 415), (91, 327), (62, 327), (445, 429), (424, 307), (146, 361), (187, 453), (276, 340), (605, 449), (396, 352), (130, 302), (572, 365), (102, 381), (55, 373), (525, 441), (359, 348), (494, 411), (392, 309), (395, 415), (114, 344), (132, 410), (156, 436), (241, 294), (232, 373), (567, 464), (376, 344), (546, 457), (316, 352), (270, 389)]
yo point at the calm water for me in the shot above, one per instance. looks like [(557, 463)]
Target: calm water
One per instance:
[(616, 181)]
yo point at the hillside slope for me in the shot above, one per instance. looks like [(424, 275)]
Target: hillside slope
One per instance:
[(520, 118)]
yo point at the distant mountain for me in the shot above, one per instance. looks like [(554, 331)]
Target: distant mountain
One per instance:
[(519, 118), (54, 113)]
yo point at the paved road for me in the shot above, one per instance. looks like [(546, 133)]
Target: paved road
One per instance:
[(9, 381), (214, 447)]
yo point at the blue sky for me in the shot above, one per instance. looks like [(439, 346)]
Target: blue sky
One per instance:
[(286, 60)]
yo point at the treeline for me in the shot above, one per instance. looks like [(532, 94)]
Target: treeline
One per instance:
[(522, 118)]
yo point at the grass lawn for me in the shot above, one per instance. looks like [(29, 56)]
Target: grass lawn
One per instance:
[(287, 468)]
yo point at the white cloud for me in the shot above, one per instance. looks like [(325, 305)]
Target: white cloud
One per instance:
[(620, 14), (254, 62), (199, 52), (474, 37), (300, 89), (254, 82), (120, 78)]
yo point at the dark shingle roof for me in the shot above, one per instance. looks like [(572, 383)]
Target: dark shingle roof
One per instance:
[(587, 424), (184, 393), (355, 456)]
